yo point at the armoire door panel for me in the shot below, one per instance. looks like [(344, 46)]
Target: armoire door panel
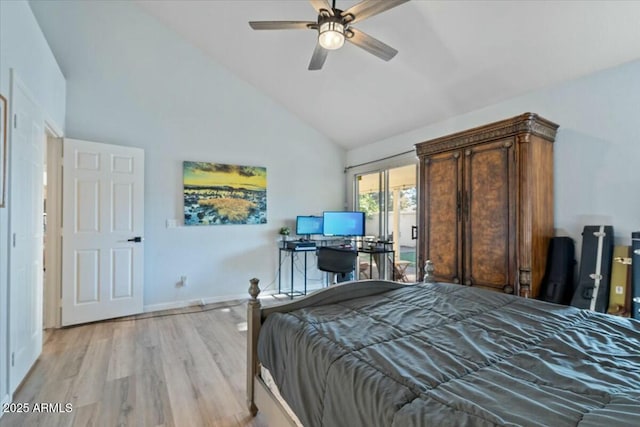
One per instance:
[(488, 214), (442, 205)]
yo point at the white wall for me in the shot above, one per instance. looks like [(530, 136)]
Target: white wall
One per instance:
[(132, 81), (24, 49), (597, 148)]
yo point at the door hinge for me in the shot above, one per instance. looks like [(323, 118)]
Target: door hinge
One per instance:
[(13, 359), (15, 121), (14, 240)]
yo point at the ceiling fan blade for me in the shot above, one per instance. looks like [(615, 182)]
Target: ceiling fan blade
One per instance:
[(318, 5), (282, 25), (318, 58), (371, 45), (368, 8)]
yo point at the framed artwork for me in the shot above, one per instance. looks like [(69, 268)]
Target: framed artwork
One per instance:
[(3, 149), (219, 194)]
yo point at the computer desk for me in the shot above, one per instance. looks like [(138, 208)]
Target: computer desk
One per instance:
[(291, 252), (383, 251)]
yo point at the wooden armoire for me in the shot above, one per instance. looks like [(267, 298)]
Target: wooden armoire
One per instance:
[(486, 204)]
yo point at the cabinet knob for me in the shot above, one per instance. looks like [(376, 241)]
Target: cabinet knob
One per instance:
[(456, 280), (467, 282)]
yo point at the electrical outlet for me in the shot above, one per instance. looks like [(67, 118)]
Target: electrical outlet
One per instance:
[(182, 282)]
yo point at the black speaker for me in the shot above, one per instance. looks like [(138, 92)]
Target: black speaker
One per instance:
[(557, 283)]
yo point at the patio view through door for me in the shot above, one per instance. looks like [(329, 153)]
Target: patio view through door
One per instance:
[(389, 199)]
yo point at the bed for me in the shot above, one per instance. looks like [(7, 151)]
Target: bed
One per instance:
[(378, 353)]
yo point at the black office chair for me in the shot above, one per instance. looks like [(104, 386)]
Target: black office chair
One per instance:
[(339, 262)]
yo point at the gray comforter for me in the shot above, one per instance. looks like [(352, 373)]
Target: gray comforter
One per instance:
[(448, 355)]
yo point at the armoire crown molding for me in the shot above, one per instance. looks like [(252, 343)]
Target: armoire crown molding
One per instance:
[(529, 123)]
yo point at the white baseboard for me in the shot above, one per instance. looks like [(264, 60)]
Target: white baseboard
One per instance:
[(211, 300), (198, 301)]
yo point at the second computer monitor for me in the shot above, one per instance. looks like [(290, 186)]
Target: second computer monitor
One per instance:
[(343, 223)]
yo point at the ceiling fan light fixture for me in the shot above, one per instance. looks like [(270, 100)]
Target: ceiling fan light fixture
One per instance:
[(331, 35), (333, 26)]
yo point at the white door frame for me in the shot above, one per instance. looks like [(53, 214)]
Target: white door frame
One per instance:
[(22, 239), (53, 236)]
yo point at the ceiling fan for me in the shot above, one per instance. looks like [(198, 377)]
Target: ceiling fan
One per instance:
[(334, 27)]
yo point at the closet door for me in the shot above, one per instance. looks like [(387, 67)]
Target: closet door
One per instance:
[(489, 215), (442, 214)]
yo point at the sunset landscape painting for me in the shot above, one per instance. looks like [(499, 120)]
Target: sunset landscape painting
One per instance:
[(219, 194)]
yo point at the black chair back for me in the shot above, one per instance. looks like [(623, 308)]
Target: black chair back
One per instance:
[(336, 260)]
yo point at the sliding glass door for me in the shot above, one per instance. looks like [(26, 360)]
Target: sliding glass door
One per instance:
[(389, 199)]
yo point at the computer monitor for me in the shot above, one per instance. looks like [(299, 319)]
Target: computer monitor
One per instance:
[(308, 225), (343, 223)]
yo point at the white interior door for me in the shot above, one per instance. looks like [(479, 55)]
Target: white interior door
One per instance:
[(102, 228), (27, 230)]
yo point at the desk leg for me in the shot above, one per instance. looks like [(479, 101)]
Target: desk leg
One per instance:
[(393, 265), (279, 271), (291, 294), (305, 272)]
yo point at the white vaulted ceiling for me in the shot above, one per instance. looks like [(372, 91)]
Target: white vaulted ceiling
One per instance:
[(454, 56)]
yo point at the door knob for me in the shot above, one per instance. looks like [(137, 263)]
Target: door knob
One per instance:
[(136, 239)]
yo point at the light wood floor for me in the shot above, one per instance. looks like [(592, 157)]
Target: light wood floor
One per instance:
[(177, 370)]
